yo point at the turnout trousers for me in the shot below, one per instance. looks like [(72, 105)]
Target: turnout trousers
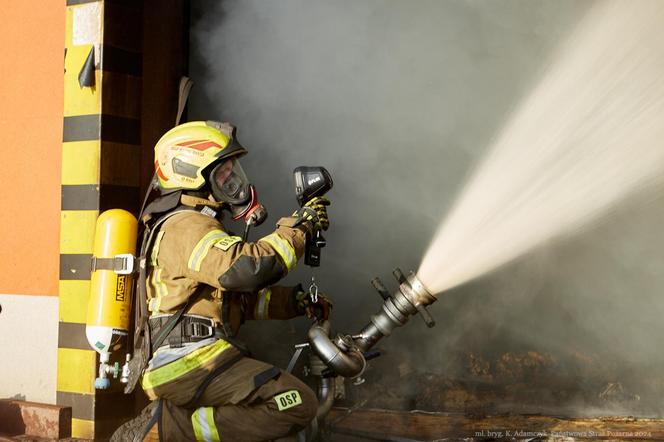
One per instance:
[(248, 401)]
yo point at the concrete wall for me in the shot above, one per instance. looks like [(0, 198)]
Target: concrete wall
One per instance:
[(31, 93), (29, 347)]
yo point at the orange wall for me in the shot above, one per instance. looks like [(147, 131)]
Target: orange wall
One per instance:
[(31, 107)]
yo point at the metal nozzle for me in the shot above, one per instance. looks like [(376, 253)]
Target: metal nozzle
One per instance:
[(340, 354), (347, 358), (411, 298), (419, 296)]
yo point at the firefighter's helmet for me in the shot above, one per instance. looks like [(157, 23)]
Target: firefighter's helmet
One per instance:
[(186, 153)]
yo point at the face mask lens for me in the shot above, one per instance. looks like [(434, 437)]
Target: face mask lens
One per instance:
[(222, 172), (229, 182)]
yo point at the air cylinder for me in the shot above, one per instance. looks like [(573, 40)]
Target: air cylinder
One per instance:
[(111, 284)]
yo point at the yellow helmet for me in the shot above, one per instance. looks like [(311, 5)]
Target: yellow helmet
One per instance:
[(187, 150)]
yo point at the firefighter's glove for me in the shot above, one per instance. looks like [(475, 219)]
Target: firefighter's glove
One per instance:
[(305, 306), (315, 211), (319, 204)]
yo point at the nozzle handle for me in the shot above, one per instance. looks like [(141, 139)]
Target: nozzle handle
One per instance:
[(428, 319), (372, 354), (398, 274), (380, 288)]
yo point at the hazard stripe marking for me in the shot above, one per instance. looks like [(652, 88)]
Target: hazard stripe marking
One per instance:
[(75, 266), (81, 128), (82, 122), (80, 197), (100, 170), (100, 197), (72, 336), (80, 162), (82, 405), (80, 100), (76, 371), (73, 296), (82, 428), (106, 127), (77, 230)]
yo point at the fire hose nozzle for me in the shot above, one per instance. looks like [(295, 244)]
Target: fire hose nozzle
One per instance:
[(413, 289), (411, 298), (347, 354)]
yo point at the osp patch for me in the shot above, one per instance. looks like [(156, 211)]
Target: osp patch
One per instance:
[(288, 400)]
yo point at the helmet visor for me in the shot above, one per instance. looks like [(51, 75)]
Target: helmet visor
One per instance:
[(229, 183)]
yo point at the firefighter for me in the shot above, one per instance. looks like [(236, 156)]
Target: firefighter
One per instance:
[(210, 388)]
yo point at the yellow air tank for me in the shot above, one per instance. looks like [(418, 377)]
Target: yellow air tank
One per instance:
[(111, 285)]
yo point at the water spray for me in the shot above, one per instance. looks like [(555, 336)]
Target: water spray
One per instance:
[(587, 137)]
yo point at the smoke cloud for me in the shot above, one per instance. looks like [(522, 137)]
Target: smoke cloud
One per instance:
[(400, 100)]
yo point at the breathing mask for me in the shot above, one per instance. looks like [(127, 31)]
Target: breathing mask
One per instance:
[(229, 184)]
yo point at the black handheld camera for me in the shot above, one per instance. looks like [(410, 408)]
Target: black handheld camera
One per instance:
[(312, 182)]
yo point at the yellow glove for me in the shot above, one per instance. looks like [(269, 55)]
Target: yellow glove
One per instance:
[(319, 204)]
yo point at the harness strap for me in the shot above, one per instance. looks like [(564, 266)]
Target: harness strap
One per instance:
[(168, 327), (216, 372), (160, 425), (185, 86), (226, 315), (191, 328), (154, 419)]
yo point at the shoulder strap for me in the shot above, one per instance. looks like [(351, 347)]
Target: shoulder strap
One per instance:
[(185, 86), (142, 330), (167, 328)]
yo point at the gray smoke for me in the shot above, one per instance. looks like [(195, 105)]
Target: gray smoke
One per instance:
[(399, 100)]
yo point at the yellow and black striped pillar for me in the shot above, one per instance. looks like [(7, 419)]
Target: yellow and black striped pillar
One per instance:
[(100, 170)]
